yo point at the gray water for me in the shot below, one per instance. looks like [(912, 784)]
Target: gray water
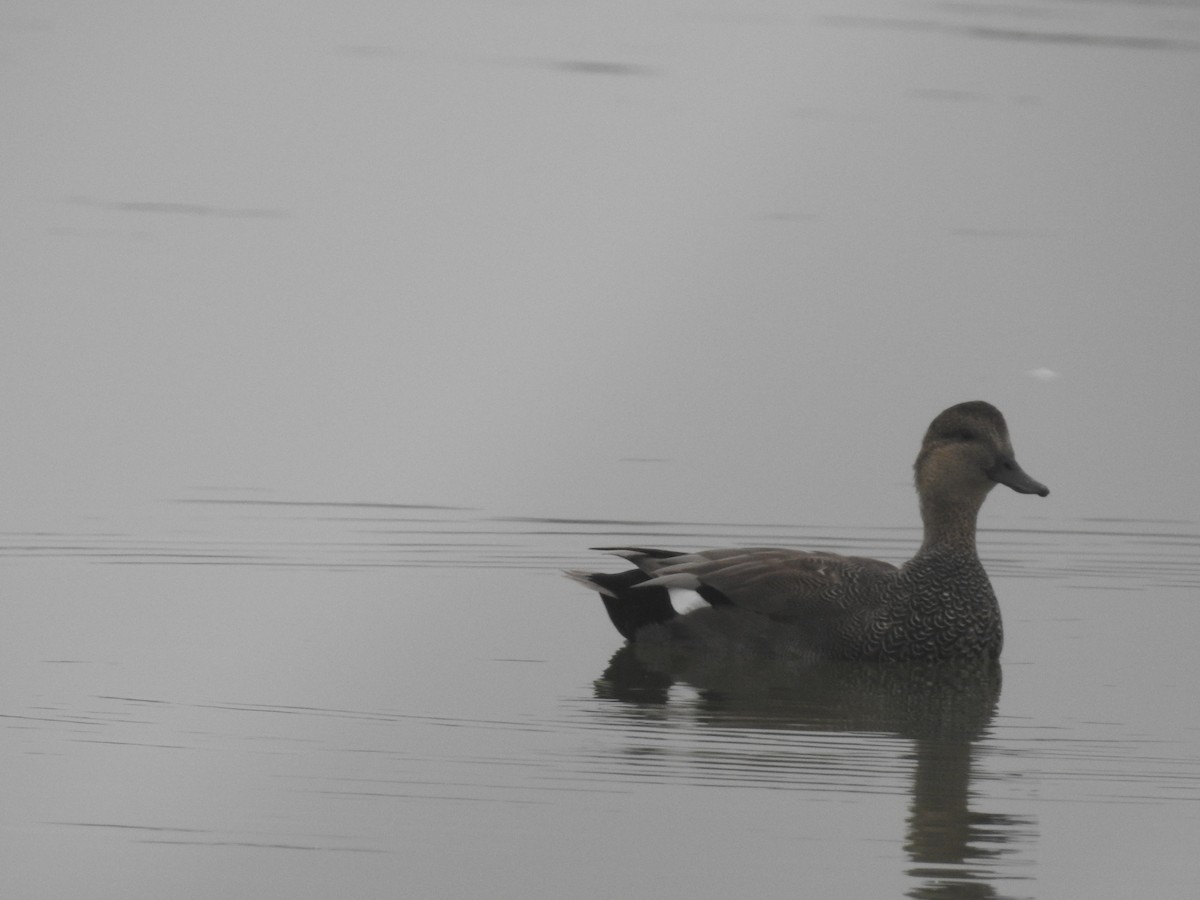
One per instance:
[(331, 333), (322, 699)]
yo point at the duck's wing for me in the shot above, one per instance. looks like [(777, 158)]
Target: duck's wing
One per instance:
[(785, 585)]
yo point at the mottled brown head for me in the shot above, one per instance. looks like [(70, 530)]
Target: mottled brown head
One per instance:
[(966, 452)]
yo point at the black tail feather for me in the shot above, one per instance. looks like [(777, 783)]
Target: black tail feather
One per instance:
[(629, 607), (651, 552)]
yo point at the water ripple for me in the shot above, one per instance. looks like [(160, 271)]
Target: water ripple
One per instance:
[(1123, 555)]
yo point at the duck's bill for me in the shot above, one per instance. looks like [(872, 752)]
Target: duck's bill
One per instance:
[(1009, 474)]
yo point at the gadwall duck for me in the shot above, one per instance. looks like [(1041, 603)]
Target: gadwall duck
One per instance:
[(824, 606)]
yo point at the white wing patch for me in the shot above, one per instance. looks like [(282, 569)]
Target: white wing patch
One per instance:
[(681, 588), (684, 600)]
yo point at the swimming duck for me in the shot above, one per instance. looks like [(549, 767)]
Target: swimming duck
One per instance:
[(823, 606)]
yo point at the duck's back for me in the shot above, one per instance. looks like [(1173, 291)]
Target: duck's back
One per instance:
[(827, 606)]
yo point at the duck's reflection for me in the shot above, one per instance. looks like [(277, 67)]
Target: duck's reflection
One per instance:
[(943, 709)]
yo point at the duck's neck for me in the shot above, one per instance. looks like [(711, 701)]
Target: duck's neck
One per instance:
[(949, 525)]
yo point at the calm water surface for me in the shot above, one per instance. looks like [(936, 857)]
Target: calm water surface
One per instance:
[(570, 274), (300, 699)]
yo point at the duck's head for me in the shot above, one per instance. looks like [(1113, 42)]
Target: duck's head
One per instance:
[(967, 452)]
